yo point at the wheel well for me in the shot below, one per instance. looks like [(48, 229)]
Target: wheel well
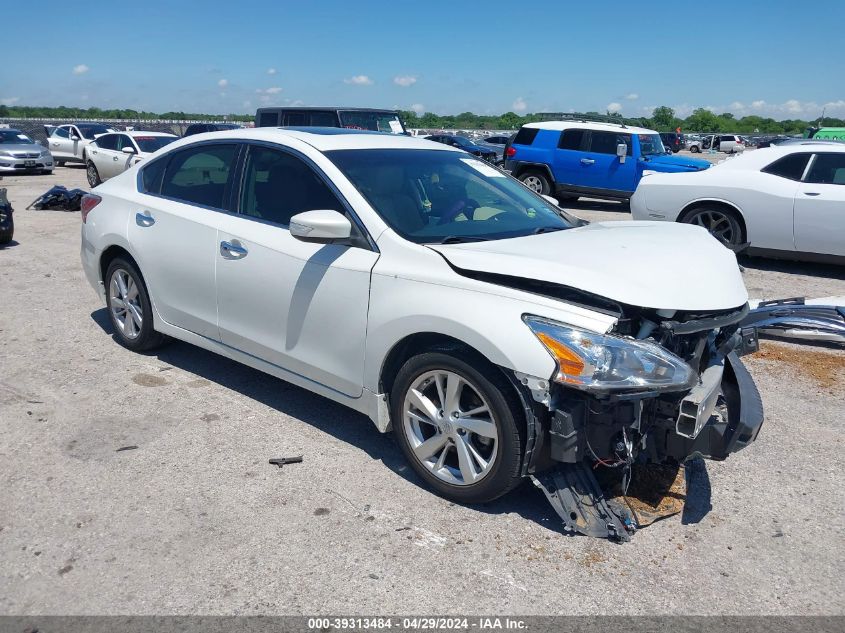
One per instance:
[(716, 204), (526, 167), (112, 253), (419, 343)]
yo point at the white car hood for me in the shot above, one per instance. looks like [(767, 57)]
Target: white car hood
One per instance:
[(666, 266)]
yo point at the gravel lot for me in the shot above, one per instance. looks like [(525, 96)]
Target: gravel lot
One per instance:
[(195, 520)]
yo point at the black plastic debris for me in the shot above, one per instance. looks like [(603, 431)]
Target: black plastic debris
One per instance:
[(7, 222), (793, 318), (59, 198), (281, 461)]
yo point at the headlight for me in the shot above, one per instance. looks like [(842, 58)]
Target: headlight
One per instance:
[(602, 362), (4, 153)]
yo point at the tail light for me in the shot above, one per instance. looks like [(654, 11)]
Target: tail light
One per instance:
[(510, 151), (89, 201)]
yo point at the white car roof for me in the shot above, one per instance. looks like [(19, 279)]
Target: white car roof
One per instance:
[(135, 133), (589, 125), (759, 158)]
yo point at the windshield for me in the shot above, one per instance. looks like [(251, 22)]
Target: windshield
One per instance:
[(432, 196), (14, 137), (463, 141), (90, 131), (148, 144), (374, 121), (651, 145)]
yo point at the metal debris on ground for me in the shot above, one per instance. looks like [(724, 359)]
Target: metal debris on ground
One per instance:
[(59, 198), (126, 448), (795, 318), (281, 461)]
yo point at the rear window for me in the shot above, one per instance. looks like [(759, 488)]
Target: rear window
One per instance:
[(526, 136), (791, 167), (828, 169), (268, 119)]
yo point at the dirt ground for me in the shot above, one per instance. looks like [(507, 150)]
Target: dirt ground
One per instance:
[(194, 520)]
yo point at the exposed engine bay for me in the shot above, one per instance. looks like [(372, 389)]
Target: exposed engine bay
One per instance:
[(588, 447)]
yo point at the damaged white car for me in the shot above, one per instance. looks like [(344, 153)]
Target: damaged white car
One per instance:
[(498, 337)]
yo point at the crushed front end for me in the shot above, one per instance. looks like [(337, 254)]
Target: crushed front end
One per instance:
[(662, 388)]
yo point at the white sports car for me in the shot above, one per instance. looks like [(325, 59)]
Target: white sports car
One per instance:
[(780, 200)]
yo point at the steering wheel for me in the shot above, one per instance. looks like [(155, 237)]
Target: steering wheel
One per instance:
[(467, 206)]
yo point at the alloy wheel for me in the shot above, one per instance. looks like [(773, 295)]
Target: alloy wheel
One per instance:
[(534, 184), (720, 225), (450, 427), (93, 176), (125, 303)]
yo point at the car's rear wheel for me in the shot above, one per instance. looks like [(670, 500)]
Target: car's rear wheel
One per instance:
[(457, 424), (536, 181), (129, 307), (93, 174), (695, 149), (60, 163), (722, 224)]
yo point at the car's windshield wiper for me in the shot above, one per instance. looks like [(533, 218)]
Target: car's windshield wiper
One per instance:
[(547, 229), (457, 239)]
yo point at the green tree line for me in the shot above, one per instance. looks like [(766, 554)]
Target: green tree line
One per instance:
[(662, 119)]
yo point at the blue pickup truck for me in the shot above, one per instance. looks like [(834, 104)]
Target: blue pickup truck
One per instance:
[(569, 159)]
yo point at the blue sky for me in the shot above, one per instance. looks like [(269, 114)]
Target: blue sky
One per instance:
[(774, 58)]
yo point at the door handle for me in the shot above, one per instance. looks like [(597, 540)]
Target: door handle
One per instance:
[(115, 158), (230, 250), (812, 193), (587, 161), (144, 219)]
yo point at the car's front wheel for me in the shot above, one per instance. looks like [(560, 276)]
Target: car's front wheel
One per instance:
[(93, 174), (129, 307), (695, 149), (458, 424), (536, 181), (721, 223)]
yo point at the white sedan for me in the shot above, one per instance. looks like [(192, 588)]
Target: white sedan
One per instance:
[(112, 154), (780, 201), (437, 295)]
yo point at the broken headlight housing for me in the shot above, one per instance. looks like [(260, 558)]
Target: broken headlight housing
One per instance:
[(603, 362)]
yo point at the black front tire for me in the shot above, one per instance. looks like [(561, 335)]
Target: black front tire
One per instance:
[(506, 411), (60, 163), (92, 174), (147, 339), (695, 149)]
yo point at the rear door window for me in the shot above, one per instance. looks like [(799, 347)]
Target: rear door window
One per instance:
[(572, 139), (107, 141), (278, 185), (200, 175), (791, 167), (62, 132)]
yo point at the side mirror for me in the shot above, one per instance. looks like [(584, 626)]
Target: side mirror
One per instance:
[(622, 151), (323, 226), (128, 150), (74, 136)]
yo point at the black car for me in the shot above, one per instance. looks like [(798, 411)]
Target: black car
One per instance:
[(7, 223), (199, 128), (673, 141), (497, 140), (372, 119), (462, 142)]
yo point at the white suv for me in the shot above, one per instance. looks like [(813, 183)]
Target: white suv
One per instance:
[(498, 336)]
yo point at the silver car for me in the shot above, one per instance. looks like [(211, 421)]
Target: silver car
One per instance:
[(19, 153)]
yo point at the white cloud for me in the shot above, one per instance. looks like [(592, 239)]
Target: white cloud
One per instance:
[(614, 107), (271, 71), (632, 96), (519, 105), (405, 80), (223, 83), (9, 101), (359, 80), (794, 106), (273, 90), (418, 108), (81, 69), (758, 104)]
